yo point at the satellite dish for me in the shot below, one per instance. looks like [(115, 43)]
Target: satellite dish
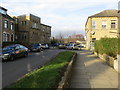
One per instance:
[(92, 32)]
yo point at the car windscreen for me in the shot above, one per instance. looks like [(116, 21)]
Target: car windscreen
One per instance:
[(8, 48), (35, 45), (70, 44)]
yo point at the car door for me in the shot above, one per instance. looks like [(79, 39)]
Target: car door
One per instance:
[(22, 50), (17, 51)]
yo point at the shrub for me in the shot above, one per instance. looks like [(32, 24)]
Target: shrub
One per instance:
[(119, 46), (107, 46)]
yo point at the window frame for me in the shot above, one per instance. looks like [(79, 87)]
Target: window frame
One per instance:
[(93, 24), (113, 26), (104, 24), (5, 24)]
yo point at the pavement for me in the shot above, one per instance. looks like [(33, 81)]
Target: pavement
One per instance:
[(90, 72)]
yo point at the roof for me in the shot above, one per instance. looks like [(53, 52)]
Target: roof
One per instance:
[(45, 25), (107, 13), (3, 8), (7, 16)]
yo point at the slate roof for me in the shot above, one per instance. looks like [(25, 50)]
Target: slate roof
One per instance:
[(7, 16), (3, 8), (106, 13)]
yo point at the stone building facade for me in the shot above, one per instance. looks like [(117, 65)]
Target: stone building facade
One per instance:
[(29, 30), (46, 33), (7, 25), (103, 24)]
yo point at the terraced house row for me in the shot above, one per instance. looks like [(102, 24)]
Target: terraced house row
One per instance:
[(26, 29)]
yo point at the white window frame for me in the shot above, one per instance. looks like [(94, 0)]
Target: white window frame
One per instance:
[(12, 26), (7, 38), (5, 23), (93, 24), (4, 37), (104, 24)]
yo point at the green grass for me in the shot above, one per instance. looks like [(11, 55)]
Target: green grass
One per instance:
[(47, 76)]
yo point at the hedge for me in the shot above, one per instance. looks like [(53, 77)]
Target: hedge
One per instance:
[(119, 46), (107, 46)]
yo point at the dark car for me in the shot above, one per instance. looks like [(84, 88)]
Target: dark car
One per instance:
[(13, 51), (36, 47)]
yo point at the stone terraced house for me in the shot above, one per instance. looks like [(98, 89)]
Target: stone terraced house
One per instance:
[(103, 24)]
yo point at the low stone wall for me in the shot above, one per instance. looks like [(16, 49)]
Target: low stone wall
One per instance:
[(65, 82), (109, 60), (117, 64)]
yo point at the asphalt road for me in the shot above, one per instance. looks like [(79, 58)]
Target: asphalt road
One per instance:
[(14, 70)]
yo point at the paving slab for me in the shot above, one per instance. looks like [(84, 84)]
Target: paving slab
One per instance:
[(90, 72)]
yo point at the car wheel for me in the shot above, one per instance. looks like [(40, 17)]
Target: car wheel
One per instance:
[(26, 54), (72, 48), (41, 49), (12, 58)]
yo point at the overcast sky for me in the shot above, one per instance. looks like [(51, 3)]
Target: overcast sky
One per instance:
[(65, 16)]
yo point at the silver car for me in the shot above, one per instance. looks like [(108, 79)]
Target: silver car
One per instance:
[(73, 46), (45, 46)]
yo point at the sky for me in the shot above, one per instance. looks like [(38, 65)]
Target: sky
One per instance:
[(65, 16)]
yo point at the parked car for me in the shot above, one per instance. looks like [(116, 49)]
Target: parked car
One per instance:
[(62, 46), (73, 46), (36, 47), (14, 51), (45, 46)]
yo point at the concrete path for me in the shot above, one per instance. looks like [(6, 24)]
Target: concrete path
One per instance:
[(90, 72)]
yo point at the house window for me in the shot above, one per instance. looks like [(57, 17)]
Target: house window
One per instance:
[(113, 24), (104, 24), (7, 37), (23, 22), (3, 12), (16, 20), (12, 38), (11, 26), (34, 25), (93, 39), (4, 37), (93, 24), (5, 24)]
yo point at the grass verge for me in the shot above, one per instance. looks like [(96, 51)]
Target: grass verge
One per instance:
[(47, 76)]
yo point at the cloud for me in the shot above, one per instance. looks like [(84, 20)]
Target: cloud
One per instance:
[(62, 15)]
